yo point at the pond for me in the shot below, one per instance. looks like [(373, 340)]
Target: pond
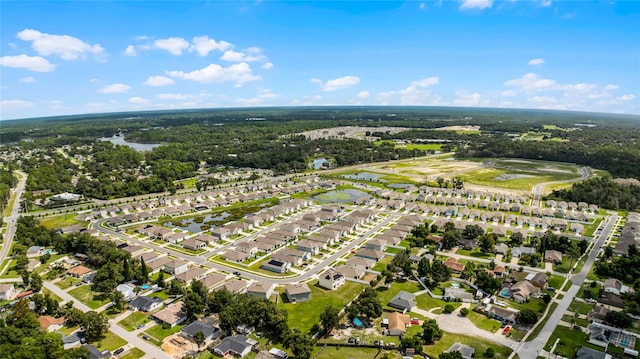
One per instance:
[(194, 224), (319, 163), (399, 185), (140, 147), (340, 196), (365, 176)]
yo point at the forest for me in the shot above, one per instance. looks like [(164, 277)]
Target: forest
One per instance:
[(225, 137), (604, 192)]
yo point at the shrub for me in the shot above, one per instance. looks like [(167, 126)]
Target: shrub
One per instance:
[(448, 308)]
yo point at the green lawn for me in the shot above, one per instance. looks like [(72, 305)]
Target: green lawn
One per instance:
[(555, 281), (382, 264), (570, 341), (537, 330), (158, 333), (68, 282), (426, 302), (110, 342), (479, 344), (92, 299), (60, 221), (535, 304), (513, 179), (386, 294), (482, 322), (133, 320), (354, 353), (11, 271), (305, 315), (580, 307), (134, 353), (473, 253), (186, 250)]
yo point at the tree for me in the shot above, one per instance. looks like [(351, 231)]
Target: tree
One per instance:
[(95, 325), (36, 282), (487, 242), (440, 181), (489, 353), (449, 308), (160, 279), (472, 231), (608, 251), (464, 312), (450, 239), (199, 339), (451, 355), (516, 239), (424, 267), (301, 345), (431, 331), (573, 252), (400, 262), (546, 298), (618, 319), (527, 316), (117, 298), (175, 287), (144, 271), (193, 305), (329, 318), (26, 275)]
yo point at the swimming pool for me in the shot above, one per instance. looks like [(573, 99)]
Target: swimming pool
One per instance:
[(145, 286), (455, 285), (357, 322), (504, 293)]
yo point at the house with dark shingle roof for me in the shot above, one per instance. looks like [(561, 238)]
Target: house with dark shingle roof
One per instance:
[(403, 301), (238, 345), (206, 326)]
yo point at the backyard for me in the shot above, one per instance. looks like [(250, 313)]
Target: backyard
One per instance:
[(93, 300)]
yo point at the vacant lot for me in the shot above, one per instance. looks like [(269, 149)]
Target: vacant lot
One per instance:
[(93, 300)]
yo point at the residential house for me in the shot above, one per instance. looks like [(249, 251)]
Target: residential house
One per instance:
[(276, 266), (331, 280), (404, 301), (505, 315), (454, 265), (466, 351), (611, 301), (359, 262), (145, 304), (172, 315), (213, 280), (306, 245), (298, 292), (7, 291), (193, 244), (73, 341), (35, 251), (206, 326), (370, 254), (538, 279), (80, 271), (127, 290), (457, 294), (220, 233), (521, 291), (261, 290), (615, 286), (235, 256), (195, 273), (553, 256), (350, 272), (238, 346), (598, 314), (50, 324), (235, 285), (250, 248), (94, 353), (376, 245), (397, 324), (588, 353), (176, 266)]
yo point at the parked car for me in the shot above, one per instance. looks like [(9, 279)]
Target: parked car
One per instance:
[(506, 330), (118, 351)]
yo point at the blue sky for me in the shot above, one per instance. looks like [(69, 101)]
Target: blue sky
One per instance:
[(84, 57)]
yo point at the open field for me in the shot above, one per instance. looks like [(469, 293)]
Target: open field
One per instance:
[(354, 353), (479, 344), (157, 333), (482, 322), (134, 353), (512, 179), (304, 315), (92, 299), (570, 341), (110, 342), (59, 221), (133, 320)]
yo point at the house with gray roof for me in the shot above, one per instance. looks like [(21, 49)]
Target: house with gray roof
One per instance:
[(466, 351), (238, 345), (298, 292), (206, 326), (404, 301)]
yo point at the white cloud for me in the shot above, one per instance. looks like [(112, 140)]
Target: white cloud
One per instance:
[(476, 4), (627, 97), (249, 101), (267, 66), (65, 46), (536, 62), (175, 45), (142, 37), (417, 93), (130, 51), (203, 45), (267, 94), (546, 3), (94, 81), (337, 84), (33, 63), (115, 88), (463, 98), (422, 6), (250, 55), (426, 82), (580, 87), (158, 81), (13, 104), (238, 73), (363, 94), (138, 100), (28, 80), (611, 87), (543, 100), (509, 93), (173, 96), (532, 82)]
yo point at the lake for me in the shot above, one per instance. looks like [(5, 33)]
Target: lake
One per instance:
[(365, 176), (191, 225), (318, 163), (340, 196), (140, 147)]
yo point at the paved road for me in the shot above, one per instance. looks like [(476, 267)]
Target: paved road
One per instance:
[(12, 219), (530, 350), (537, 189), (133, 340), (310, 273)]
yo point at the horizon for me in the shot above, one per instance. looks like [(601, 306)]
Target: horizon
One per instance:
[(533, 55)]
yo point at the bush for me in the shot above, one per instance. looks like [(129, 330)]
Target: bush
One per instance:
[(489, 353), (464, 312), (448, 308)]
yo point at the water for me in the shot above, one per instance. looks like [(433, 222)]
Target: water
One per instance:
[(365, 176), (455, 285), (358, 323), (318, 163), (145, 286), (399, 185), (140, 147), (340, 196), (504, 293), (190, 225)]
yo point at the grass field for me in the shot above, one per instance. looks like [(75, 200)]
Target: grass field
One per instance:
[(134, 353), (479, 344), (92, 299), (133, 320), (386, 295), (60, 221), (513, 179), (158, 333), (579, 307), (68, 282), (570, 341), (482, 322), (354, 353), (555, 281), (305, 315), (110, 342), (10, 271), (426, 302)]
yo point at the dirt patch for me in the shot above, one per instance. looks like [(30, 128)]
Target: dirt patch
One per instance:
[(178, 347), (510, 176), (369, 277), (458, 128)]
